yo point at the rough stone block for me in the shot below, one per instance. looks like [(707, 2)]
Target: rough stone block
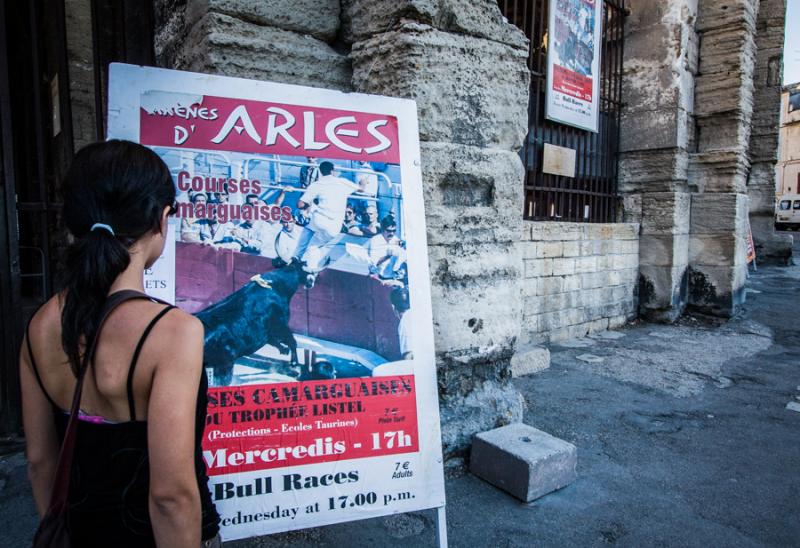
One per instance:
[(718, 213), (717, 250), (550, 250), (221, 44), (547, 231), (721, 15), (665, 213), (563, 266), (771, 247), (468, 90), (535, 268), (654, 129), (319, 18), (523, 461), (653, 171), (717, 290), (664, 249), (571, 249), (529, 359), (724, 132), (476, 307), (663, 291), (480, 18), (471, 194)]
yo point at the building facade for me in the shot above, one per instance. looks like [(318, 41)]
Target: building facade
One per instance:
[(653, 223)]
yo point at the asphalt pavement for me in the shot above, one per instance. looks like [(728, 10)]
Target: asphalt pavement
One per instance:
[(683, 433)]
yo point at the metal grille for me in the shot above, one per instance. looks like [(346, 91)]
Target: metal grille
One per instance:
[(591, 196)]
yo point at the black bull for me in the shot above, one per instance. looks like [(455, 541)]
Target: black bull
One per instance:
[(246, 320)]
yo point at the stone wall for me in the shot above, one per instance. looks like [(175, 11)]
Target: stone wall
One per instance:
[(465, 66), (719, 166), (657, 133), (579, 278), (80, 57), (697, 126)]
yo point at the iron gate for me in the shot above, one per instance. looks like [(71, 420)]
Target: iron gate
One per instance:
[(591, 196)]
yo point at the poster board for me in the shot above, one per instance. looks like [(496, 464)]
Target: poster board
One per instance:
[(573, 63), (345, 426)]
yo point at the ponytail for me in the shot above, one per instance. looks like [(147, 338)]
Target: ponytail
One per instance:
[(114, 193)]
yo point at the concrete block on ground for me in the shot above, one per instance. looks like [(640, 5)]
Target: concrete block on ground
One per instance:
[(529, 359), (523, 461)]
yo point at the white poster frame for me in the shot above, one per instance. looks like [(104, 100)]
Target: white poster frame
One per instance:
[(554, 111), (127, 83)]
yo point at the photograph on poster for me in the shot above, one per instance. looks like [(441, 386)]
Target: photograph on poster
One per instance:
[(573, 62), (331, 227)]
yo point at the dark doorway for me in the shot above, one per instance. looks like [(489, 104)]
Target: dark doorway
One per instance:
[(37, 121)]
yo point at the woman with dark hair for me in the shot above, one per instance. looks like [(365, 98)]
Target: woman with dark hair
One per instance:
[(137, 475)]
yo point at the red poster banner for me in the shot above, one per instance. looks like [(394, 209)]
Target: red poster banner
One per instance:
[(261, 427), (571, 83), (223, 123)]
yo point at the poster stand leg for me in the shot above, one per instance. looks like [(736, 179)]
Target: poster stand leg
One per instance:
[(441, 527)]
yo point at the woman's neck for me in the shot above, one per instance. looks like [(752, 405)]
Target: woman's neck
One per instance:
[(133, 276)]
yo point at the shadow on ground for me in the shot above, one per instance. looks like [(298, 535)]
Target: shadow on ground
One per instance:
[(683, 439)]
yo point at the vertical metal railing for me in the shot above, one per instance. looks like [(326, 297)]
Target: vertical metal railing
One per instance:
[(591, 196)]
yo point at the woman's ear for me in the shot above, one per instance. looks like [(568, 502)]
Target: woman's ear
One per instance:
[(164, 223)]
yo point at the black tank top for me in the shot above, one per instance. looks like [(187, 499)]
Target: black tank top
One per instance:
[(110, 476)]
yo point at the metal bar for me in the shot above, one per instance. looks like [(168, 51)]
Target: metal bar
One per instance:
[(41, 147), (10, 301)]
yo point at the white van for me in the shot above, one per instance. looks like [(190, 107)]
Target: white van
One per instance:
[(787, 212)]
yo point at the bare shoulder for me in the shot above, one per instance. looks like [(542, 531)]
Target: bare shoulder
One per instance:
[(180, 331), (46, 322)]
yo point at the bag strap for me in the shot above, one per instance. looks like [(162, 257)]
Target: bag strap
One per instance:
[(58, 498)]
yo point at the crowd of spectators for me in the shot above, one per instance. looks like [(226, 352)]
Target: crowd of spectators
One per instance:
[(287, 238)]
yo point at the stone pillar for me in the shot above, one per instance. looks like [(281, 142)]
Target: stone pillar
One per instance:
[(771, 247), (658, 92), (466, 68), (288, 42), (720, 166), (78, 14)]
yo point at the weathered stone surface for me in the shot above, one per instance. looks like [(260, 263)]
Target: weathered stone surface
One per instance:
[(716, 250), (722, 133), (654, 129), (771, 247), (523, 461), (663, 291), (471, 194), (479, 18), (486, 405), (653, 171), (664, 249), (719, 171), (221, 44), (319, 18), (578, 276), (469, 91), (476, 300), (718, 213), (717, 290), (530, 359), (78, 15), (665, 212), (722, 15)]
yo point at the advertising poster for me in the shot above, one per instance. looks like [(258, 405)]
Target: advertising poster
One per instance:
[(299, 242), (573, 62)]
